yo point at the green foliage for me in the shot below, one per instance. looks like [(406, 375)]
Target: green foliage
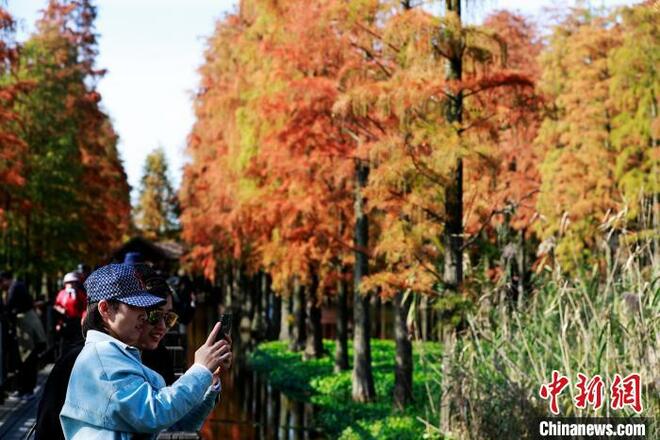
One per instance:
[(453, 307), (157, 209), (340, 416), (635, 88), (286, 370), (600, 74), (246, 125), (72, 205), (389, 428), (53, 165)]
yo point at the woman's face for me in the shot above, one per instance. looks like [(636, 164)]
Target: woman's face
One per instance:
[(152, 334), (125, 322)]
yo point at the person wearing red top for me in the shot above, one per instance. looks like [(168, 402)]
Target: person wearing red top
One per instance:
[(71, 306)]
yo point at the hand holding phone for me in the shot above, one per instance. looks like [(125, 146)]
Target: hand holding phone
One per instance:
[(225, 333), (225, 325), (207, 354)]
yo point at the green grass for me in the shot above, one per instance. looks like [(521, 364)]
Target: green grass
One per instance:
[(340, 417)]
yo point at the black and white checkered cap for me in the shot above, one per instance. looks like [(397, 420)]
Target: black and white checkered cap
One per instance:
[(121, 282)]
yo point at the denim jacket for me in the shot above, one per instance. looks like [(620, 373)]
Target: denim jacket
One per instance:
[(111, 395)]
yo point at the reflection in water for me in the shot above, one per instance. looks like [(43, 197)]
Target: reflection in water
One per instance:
[(250, 408)]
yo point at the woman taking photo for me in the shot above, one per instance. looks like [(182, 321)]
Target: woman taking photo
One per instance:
[(111, 394)]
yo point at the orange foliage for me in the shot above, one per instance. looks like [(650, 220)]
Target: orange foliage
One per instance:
[(506, 183), (12, 147), (398, 103), (278, 190)]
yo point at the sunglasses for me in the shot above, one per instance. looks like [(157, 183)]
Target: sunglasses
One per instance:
[(154, 317)]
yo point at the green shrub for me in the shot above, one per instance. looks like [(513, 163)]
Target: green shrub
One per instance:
[(338, 415), (389, 428)]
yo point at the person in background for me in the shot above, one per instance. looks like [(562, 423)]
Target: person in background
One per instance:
[(47, 426), (129, 398), (83, 271), (71, 305), (9, 345), (133, 258), (154, 353), (158, 354), (184, 301), (29, 333)]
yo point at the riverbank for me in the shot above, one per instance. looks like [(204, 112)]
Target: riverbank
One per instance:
[(337, 415)]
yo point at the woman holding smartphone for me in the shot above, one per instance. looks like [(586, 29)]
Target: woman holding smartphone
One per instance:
[(111, 394)]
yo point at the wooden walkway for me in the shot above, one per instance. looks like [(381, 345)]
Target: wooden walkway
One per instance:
[(18, 416)]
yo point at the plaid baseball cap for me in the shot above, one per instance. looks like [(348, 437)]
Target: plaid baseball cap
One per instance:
[(122, 282)]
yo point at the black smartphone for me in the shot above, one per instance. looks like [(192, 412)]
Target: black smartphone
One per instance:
[(225, 325)]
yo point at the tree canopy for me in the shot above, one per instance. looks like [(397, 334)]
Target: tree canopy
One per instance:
[(156, 213), (65, 193)]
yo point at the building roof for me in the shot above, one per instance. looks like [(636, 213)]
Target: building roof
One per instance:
[(165, 251)]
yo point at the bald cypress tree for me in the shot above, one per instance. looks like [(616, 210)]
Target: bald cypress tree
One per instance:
[(156, 214)]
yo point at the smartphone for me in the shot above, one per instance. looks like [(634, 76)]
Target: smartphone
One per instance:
[(225, 326)]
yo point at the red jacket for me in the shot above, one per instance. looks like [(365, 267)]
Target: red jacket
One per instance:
[(71, 302)]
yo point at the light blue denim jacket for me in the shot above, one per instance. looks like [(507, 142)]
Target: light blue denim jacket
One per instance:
[(112, 395)]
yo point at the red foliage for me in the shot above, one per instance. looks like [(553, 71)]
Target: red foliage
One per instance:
[(12, 147), (507, 183)]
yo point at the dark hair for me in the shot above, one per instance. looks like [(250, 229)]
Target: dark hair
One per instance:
[(83, 268), (93, 319), (6, 275), (158, 286)]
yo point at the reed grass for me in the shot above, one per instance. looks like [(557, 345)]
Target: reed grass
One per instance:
[(601, 320)]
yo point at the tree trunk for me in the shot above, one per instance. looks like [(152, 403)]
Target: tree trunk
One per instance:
[(453, 231), (260, 319), (26, 251), (377, 307), (265, 297), (341, 340), (362, 379), (4, 251), (245, 300), (404, 363), (227, 281), (285, 333), (275, 308), (425, 313), (299, 330), (522, 269), (314, 342), (448, 343), (39, 284), (253, 288), (235, 284)]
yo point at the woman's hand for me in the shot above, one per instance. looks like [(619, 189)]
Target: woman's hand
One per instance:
[(212, 354), (225, 364), (227, 358)]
